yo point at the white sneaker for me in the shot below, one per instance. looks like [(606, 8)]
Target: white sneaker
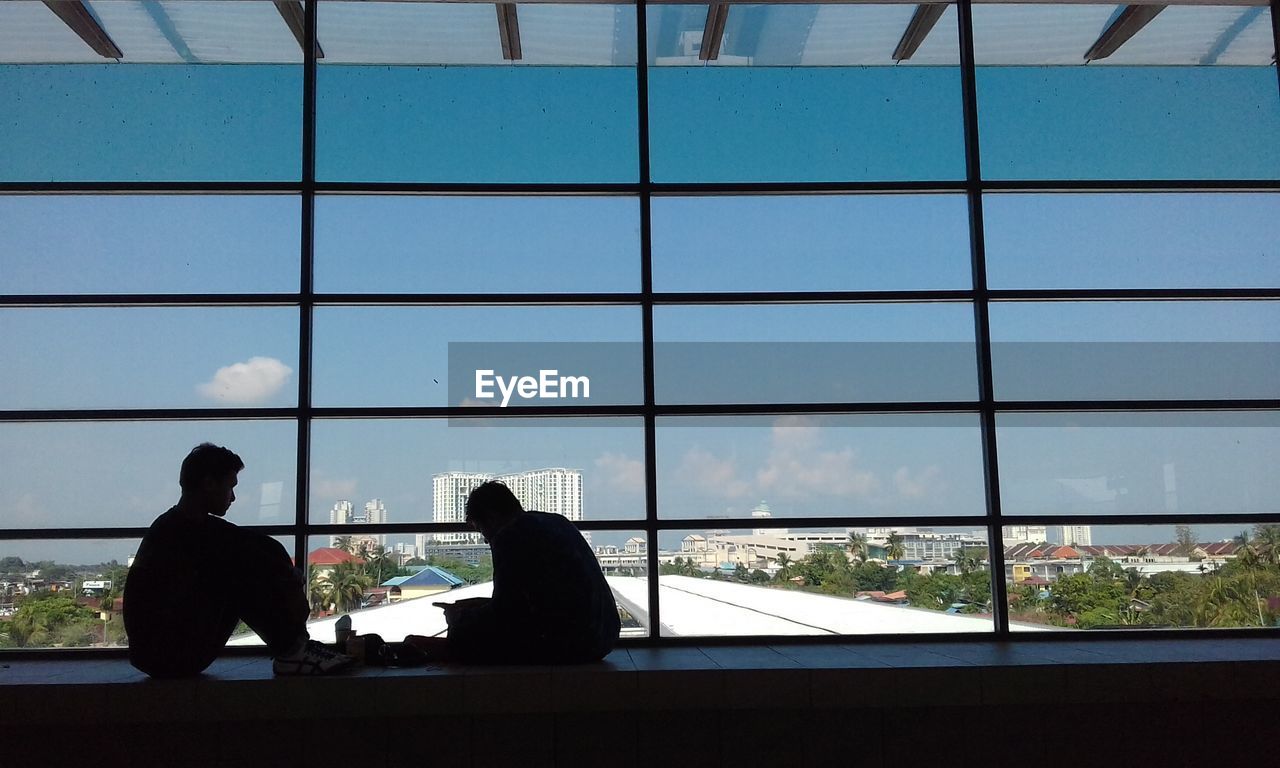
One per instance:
[(311, 659)]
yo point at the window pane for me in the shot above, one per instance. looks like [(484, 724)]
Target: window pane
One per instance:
[(1189, 96), (477, 244), (170, 108), (385, 583), (1143, 576), (63, 593), (103, 474), (763, 109), (820, 465), (810, 243), (149, 244), (814, 353), (1210, 463), (421, 470), (854, 581), (410, 92), (1187, 240), (148, 357), (1136, 350), (401, 355)]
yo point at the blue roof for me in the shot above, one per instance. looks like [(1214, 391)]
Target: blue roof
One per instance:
[(427, 576)]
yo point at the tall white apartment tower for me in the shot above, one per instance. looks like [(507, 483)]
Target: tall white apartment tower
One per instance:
[(341, 514), (1074, 535), (376, 512), (556, 490), (1025, 534), (449, 491)]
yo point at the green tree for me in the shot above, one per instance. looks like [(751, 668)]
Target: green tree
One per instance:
[(381, 564), (784, 567), (969, 559), (49, 619), (857, 547), (1185, 536), (346, 544), (894, 549), (1267, 543), (346, 585)]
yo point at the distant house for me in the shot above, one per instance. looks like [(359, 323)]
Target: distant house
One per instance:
[(325, 559), (429, 580)]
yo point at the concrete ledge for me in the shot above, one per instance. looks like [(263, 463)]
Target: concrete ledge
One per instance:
[(681, 705)]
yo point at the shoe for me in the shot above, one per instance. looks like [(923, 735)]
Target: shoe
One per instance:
[(311, 659)]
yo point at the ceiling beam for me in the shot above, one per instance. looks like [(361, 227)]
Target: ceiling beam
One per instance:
[(922, 22), (713, 31), (1231, 3), (295, 17), (1126, 25), (509, 31), (76, 15)]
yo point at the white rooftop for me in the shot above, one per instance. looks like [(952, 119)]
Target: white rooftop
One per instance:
[(690, 607)]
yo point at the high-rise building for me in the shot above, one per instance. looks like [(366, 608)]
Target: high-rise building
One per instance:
[(1025, 534), (1072, 535), (345, 513), (341, 514), (555, 490), (449, 491), (376, 512)]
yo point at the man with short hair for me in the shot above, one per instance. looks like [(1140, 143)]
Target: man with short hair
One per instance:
[(550, 604), (196, 576)]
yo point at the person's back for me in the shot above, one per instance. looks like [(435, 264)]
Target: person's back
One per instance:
[(545, 574), (168, 605), (551, 603)]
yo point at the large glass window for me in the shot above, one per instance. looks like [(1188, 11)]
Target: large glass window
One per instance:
[(150, 91), (440, 92), (809, 321), (1178, 92), (801, 93)]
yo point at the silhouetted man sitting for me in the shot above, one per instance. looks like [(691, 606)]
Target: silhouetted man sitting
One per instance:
[(196, 576), (550, 604)]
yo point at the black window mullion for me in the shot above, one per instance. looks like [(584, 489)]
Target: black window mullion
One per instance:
[(981, 318), (646, 317), (306, 284)]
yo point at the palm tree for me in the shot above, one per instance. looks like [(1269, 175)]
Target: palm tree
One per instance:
[(857, 547), (1247, 554), (968, 560), (318, 590), (346, 544), (346, 584), (784, 566), (894, 549), (1267, 543)]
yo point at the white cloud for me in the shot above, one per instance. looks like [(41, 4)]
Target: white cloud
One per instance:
[(249, 383), (718, 477), (622, 474), (797, 467), (27, 510), (917, 485), (334, 488)]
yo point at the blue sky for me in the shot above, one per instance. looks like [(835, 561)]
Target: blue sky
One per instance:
[(76, 474)]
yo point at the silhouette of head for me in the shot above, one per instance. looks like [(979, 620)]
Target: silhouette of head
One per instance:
[(208, 478), (491, 507)]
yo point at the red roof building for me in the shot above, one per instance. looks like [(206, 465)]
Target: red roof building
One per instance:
[(331, 556)]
